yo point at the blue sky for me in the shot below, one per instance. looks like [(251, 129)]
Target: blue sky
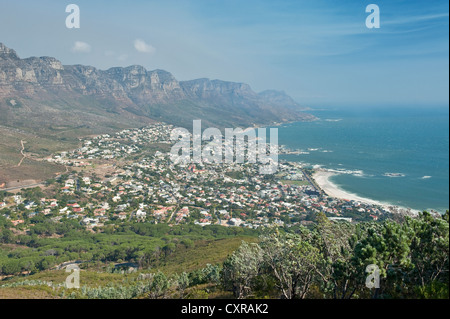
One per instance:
[(319, 52)]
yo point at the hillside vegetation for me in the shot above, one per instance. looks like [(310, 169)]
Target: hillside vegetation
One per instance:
[(328, 260)]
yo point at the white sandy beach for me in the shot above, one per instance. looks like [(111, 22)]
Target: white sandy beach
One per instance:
[(322, 178)]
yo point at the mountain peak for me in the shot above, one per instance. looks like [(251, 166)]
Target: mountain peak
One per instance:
[(7, 53), (280, 98)]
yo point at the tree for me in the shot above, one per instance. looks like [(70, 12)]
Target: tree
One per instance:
[(387, 247), (241, 269), (429, 250), (168, 249), (212, 273), (6, 236), (158, 286), (182, 282), (292, 262), (11, 267), (334, 241)]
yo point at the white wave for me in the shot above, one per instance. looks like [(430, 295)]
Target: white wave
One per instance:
[(359, 173), (426, 177), (333, 120), (394, 175)]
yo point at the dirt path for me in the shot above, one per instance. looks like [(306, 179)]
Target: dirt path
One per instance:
[(173, 212), (22, 152)]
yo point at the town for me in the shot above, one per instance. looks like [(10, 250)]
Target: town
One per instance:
[(129, 176)]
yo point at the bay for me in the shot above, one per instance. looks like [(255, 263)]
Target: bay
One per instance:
[(397, 155)]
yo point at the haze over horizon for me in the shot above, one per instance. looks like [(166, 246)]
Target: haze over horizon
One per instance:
[(320, 53)]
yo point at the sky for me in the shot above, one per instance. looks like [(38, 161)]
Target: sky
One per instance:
[(319, 52)]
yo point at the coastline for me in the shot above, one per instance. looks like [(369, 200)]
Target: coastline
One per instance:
[(322, 178)]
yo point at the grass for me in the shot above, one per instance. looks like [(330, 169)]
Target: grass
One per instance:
[(91, 277), (154, 147), (29, 171), (298, 183), (36, 148), (203, 253), (28, 292)]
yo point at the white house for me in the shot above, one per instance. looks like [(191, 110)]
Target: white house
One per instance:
[(141, 214)]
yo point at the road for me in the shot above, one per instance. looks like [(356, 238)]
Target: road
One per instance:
[(313, 184), (20, 187)]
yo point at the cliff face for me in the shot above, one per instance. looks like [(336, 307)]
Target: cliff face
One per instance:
[(48, 89)]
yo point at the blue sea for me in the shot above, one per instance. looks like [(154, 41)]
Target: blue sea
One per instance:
[(394, 155)]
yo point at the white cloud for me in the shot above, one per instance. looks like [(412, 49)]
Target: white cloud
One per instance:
[(143, 47), (82, 47), (414, 19)]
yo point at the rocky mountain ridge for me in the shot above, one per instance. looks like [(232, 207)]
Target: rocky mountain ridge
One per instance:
[(51, 91)]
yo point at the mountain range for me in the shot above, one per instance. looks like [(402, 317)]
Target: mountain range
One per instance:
[(41, 94)]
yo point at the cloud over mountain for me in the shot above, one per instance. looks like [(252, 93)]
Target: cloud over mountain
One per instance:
[(143, 47)]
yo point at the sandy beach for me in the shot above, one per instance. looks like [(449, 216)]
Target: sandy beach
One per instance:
[(322, 178)]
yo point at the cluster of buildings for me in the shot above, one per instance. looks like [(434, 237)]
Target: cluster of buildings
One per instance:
[(110, 147), (156, 190)]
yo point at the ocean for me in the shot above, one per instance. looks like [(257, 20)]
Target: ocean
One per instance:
[(396, 155)]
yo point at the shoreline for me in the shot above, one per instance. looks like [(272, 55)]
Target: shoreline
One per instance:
[(322, 178)]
